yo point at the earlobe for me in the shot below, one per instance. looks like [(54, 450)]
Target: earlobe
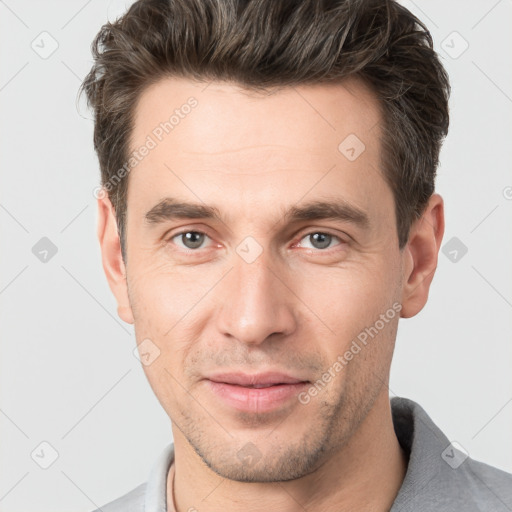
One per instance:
[(420, 257), (111, 256)]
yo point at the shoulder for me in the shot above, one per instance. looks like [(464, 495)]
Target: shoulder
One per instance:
[(486, 484), (441, 477), (132, 501)]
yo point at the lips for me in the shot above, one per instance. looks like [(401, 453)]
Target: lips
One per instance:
[(256, 393)]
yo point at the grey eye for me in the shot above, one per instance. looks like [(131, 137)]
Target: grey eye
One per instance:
[(319, 240), (191, 239)]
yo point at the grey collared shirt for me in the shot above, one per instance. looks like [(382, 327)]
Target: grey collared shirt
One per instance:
[(440, 477)]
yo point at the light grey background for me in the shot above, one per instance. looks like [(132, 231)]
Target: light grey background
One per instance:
[(68, 374)]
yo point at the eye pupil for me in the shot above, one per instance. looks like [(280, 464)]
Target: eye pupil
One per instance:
[(320, 240), (192, 239)]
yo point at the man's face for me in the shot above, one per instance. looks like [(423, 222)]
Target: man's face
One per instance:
[(252, 289)]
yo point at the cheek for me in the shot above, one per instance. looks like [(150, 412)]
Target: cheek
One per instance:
[(162, 297), (161, 302), (171, 309), (346, 300)]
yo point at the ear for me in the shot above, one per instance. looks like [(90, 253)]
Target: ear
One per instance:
[(420, 256), (111, 257)]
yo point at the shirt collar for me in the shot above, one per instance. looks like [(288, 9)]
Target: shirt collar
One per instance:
[(424, 444), (156, 490)]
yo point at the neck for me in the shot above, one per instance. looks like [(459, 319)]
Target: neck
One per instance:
[(364, 474)]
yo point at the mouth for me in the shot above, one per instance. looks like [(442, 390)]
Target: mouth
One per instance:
[(256, 393)]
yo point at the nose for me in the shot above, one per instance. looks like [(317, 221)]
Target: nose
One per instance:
[(257, 302)]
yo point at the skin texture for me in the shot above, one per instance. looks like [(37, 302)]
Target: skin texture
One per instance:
[(296, 308)]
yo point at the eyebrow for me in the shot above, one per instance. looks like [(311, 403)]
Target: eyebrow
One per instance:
[(171, 209)]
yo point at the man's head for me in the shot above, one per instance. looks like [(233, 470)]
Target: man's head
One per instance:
[(297, 143)]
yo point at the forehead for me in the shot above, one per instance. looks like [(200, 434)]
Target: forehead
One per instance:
[(230, 147), (226, 116)]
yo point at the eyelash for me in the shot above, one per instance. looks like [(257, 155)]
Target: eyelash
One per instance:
[(323, 251)]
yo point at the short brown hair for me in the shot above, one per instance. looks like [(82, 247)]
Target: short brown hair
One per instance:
[(261, 44)]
